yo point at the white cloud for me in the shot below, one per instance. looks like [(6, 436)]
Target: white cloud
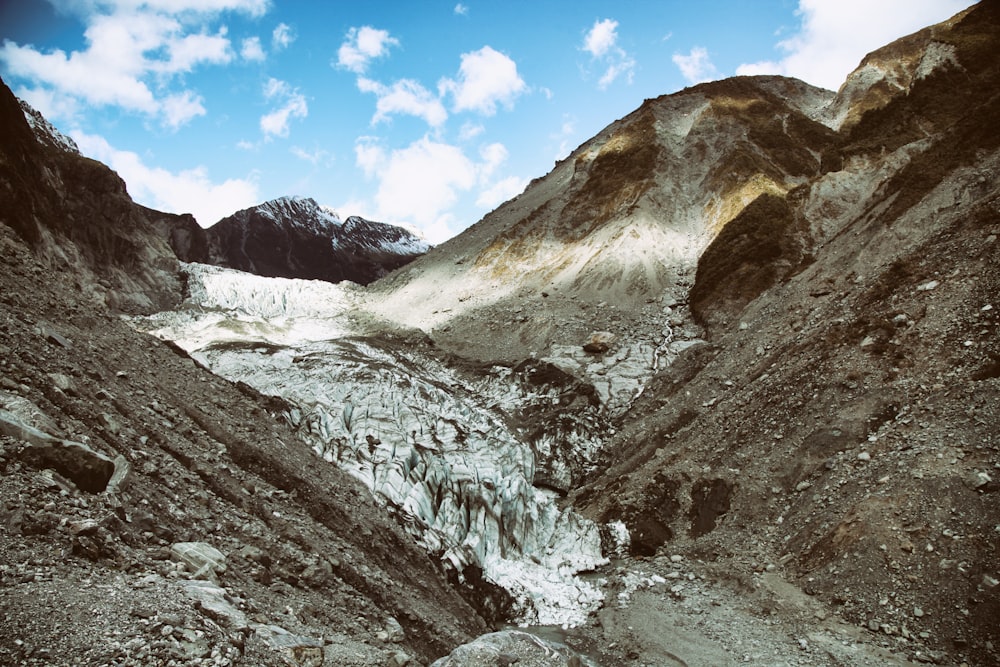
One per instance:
[(315, 156), (252, 50), (419, 184), (362, 46), (461, 10), (501, 191), (180, 108), (696, 67), (293, 105), (601, 42), (830, 41), (369, 155), (404, 96), (493, 156), (282, 36), (470, 130), (190, 50), (187, 191), (486, 78), (601, 37), (133, 53)]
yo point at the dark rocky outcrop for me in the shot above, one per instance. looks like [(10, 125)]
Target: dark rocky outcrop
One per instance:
[(77, 215), (294, 237)]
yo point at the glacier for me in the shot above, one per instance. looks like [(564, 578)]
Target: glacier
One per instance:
[(448, 448)]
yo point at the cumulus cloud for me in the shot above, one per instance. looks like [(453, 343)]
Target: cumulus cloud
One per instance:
[(420, 183), (132, 55), (485, 79), (461, 9), (363, 45), (830, 40), (292, 105), (252, 50), (282, 36), (404, 97), (187, 191), (501, 191), (601, 37), (696, 66), (180, 108), (601, 42)]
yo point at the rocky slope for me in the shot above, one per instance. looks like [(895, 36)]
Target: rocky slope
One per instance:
[(829, 262), (118, 454), (294, 237)]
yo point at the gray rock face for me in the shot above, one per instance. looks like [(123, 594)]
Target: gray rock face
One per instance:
[(202, 560), (89, 470)]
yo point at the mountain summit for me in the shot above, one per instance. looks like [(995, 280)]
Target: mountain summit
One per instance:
[(294, 237)]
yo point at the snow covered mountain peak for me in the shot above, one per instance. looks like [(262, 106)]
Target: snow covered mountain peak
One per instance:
[(296, 210), (45, 131), (296, 237)]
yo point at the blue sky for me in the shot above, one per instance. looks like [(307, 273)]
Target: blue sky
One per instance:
[(418, 112)]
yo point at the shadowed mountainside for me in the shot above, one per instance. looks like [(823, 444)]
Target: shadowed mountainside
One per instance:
[(294, 237)]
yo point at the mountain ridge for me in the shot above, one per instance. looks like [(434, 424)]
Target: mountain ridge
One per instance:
[(295, 237)]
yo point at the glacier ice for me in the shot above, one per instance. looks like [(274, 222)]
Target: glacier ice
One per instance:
[(441, 445)]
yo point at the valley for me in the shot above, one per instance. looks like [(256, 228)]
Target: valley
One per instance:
[(721, 388)]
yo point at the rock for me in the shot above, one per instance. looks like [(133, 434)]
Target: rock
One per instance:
[(398, 659), (53, 336), (63, 383), (978, 480), (509, 647), (90, 471), (211, 601), (202, 559), (394, 631), (299, 650), (121, 477), (599, 342)]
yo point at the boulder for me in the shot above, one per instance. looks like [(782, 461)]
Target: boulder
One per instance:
[(599, 342), (202, 559), (89, 470), (211, 601)]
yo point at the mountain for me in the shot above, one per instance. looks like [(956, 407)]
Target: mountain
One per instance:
[(151, 511), (721, 388), (77, 217), (294, 237), (799, 290)]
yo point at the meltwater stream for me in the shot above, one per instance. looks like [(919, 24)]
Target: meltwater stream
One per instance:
[(434, 442)]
